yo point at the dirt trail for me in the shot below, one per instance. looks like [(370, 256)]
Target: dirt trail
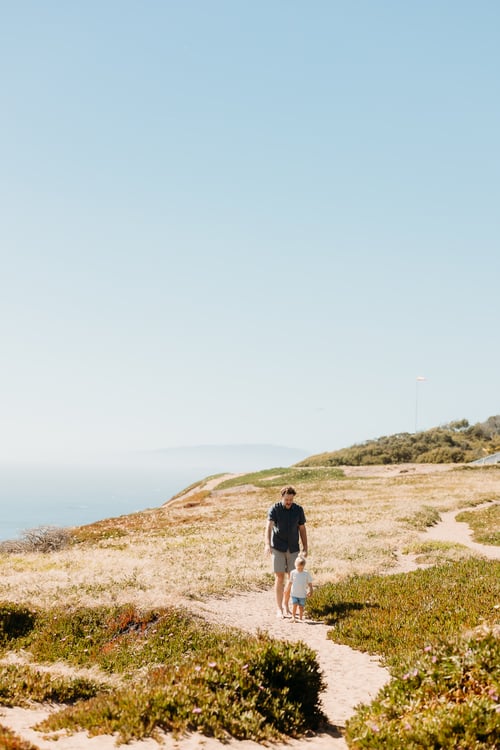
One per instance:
[(352, 677), (450, 530)]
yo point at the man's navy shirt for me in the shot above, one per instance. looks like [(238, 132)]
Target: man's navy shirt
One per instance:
[(285, 533)]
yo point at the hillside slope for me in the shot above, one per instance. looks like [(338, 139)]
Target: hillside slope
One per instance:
[(456, 442)]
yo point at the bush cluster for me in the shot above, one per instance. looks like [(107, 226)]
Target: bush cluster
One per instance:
[(39, 539), (261, 692), (390, 615), (16, 621), (21, 684), (448, 699), (176, 673), (445, 688), (457, 442)]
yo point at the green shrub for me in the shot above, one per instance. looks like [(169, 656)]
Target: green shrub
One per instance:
[(250, 689), (392, 615), (16, 622), (178, 673), (447, 444), (122, 638), (448, 699), (10, 741), (444, 455), (293, 674), (20, 684)]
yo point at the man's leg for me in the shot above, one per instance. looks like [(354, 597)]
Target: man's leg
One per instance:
[(286, 601), (279, 586), (290, 564)]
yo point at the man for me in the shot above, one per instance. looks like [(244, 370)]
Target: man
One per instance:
[(286, 523)]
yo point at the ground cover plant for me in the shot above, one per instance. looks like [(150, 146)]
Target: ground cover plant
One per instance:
[(485, 524), (10, 741), (278, 477), (20, 684), (260, 692), (448, 699), (396, 615), (176, 673), (445, 687), (16, 621), (430, 552)]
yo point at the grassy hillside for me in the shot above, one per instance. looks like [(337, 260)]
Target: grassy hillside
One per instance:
[(196, 545), (456, 442), (121, 600)]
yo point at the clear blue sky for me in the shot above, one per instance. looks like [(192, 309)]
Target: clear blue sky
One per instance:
[(246, 222)]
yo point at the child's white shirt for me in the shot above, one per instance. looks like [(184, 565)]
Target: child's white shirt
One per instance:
[(300, 582)]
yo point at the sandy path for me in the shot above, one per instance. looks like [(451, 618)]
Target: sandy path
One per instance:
[(451, 530), (352, 677)]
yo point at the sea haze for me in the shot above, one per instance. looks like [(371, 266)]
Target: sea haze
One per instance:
[(73, 495), (32, 496)]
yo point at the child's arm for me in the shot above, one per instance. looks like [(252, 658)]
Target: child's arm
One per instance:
[(309, 586)]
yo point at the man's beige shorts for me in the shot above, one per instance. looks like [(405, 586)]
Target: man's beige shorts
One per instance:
[(283, 562)]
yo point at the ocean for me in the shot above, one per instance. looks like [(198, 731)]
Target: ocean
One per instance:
[(72, 496)]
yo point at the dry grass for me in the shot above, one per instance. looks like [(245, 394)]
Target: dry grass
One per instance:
[(210, 542)]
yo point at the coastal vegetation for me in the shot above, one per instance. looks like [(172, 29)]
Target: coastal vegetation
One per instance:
[(39, 539), (108, 629), (395, 616), (10, 741), (448, 698), (456, 442), (485, 524), (438, 629), (170, 671)]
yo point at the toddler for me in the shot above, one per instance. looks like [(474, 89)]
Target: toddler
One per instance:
[(300, 587)]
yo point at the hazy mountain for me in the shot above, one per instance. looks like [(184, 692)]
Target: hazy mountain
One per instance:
[(220, 458)]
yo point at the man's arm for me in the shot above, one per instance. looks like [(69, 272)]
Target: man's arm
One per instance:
[(267, 536), (303, 538)]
